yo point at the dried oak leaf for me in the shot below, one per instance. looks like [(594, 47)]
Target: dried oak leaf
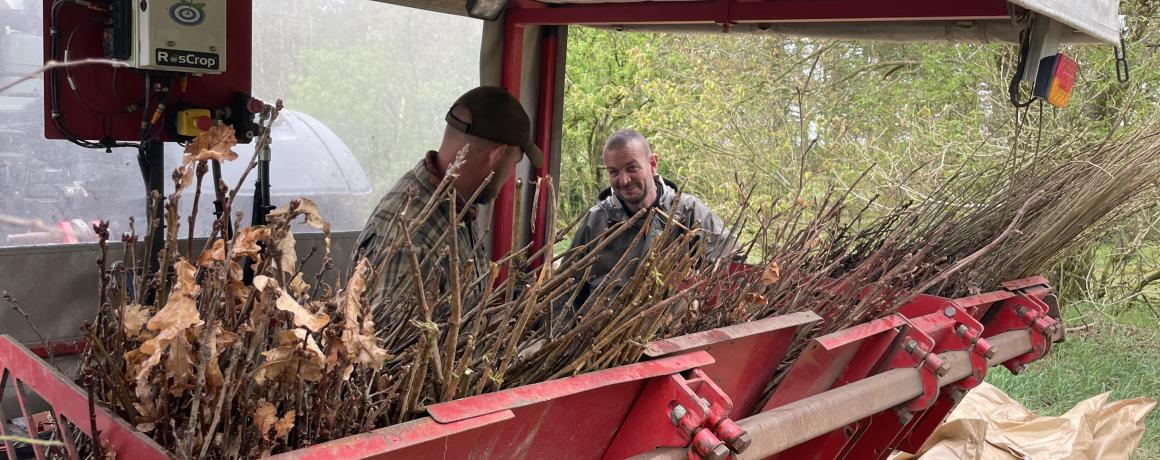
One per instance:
[(217, 253), (182, 178), (283, 426), (771, 274), (238, 289), (246, 243), (178, 315), (285, 364), (266, 417), (180, 366), (306, 208), (215, 144), (218, 341), (133, 318), (287, 256), (284, 302), (359, 337)]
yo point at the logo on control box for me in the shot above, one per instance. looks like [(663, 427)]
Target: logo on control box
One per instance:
[(187, 13), (189, 59)]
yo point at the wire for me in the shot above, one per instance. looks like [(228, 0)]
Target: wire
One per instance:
[(1013, 88), (106, 143)]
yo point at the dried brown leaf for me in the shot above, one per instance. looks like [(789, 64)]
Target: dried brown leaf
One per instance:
[(215, 144), (217, 252), (246, 243), (284, 302), (219, 340), (362, 345), (306, 207), (288, 257), (285, 364), (771, 274), (283, 425), (180, 366), (265, 416), (133, 319)]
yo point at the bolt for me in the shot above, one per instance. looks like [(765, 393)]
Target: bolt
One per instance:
[(720, 452), (171, 43), (704, 403), (961, 330), (1021, 311), (213, 48), (905, 416), (1019, 368), (942, 370), (677, 414), (949, 312), (910, 345), (956, 395), (990, 353), (740, 443)]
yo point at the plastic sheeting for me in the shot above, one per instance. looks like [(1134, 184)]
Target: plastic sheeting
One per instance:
[(1098, 18), (989, 425)]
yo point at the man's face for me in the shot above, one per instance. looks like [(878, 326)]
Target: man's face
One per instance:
[(503, 163), (630, 174)]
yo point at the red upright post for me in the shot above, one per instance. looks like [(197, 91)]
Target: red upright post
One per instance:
[(545, 118), (503, 209)]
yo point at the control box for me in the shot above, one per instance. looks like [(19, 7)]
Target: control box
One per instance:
[(180, 35)]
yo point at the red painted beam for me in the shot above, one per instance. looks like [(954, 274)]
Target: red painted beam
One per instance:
[(504, 207), (545, 120), (711, 11)]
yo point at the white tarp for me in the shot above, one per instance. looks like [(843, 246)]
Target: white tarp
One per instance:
[(1098, 18)]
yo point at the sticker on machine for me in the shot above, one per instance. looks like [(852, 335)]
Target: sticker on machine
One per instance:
[(188, 59)]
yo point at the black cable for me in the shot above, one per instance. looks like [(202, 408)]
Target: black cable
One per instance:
[(1013, 88), (54, 90)]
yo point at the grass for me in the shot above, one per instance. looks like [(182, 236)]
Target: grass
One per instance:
[(1118, 353)]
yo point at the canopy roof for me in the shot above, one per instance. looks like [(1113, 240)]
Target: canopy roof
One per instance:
[(909, 20)]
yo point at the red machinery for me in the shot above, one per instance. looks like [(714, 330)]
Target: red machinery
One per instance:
[(859, 393)]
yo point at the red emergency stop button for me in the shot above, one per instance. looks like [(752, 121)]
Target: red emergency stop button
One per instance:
[(203, 123)]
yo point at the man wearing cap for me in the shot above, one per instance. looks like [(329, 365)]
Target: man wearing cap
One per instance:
[(636, 186), (493, 127)]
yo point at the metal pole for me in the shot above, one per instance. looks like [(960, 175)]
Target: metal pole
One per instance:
[(783, 427)]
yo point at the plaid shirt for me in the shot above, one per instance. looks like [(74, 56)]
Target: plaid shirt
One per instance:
[(394, 281)]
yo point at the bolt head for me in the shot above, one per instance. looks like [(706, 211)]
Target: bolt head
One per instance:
[(942, 370), (171, 43), (740, 443), (213, 48), (990, 353), (949, 312), (720, 452), (961, 330), (677, 414), (910, 345)]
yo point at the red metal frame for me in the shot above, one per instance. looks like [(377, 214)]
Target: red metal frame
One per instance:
[(69, 406), (96, 82), (545, 115), (689, 394)]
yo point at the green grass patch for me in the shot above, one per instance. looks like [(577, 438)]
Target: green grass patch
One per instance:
[(1119, 354)]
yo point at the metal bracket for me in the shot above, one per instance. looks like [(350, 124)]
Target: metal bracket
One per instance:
[(914, 349), (1025, 312), (697, 409)]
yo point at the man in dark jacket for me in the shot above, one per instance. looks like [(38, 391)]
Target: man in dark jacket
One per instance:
[(635, 187)]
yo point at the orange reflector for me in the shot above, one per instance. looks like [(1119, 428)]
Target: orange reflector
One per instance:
[(1056, 79)]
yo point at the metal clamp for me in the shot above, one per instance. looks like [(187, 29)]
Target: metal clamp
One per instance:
[(695, 406)]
